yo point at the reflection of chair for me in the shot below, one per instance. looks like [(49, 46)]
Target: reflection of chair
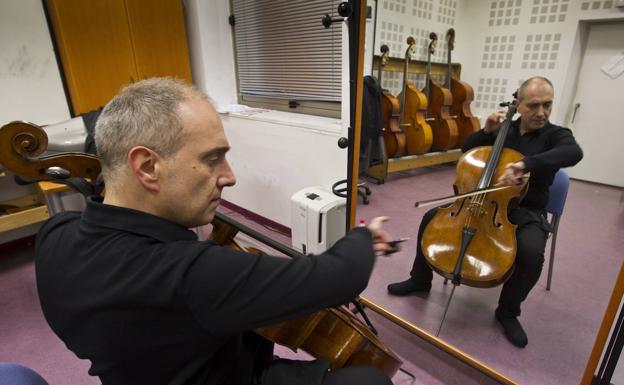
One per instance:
[(362, 190), (556, 201), (15, 374)]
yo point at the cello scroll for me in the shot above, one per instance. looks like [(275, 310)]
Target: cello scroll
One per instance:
[(22, 142)]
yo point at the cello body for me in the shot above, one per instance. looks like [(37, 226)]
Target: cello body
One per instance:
[(337, 335), (490, 254)]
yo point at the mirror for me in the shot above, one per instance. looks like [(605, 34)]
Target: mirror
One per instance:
[(497, 46)]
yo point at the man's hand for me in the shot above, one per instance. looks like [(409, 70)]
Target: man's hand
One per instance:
[(380, 236), (513, 174), (494, 121)]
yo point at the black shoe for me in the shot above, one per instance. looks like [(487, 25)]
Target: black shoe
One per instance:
[(408, 287), (513, 330)]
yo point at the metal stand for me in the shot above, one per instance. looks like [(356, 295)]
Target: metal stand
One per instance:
[(467, 235), (360, 309)]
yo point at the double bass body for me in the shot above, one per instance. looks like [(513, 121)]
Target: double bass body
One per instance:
[(414, 103)]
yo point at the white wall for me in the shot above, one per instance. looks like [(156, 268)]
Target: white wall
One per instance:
[(273, 160), (274, 154), (30, 82), (498, 52), (212, 49)]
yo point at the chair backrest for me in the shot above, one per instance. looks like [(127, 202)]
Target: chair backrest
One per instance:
[(558, 193), (16, 374)]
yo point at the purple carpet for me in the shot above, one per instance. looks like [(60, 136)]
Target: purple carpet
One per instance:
[(561, 323)]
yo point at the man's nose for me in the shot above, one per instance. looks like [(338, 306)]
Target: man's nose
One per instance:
[(227, 177), (541, 110)]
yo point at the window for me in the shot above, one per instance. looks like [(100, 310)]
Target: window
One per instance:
[(286, 59)]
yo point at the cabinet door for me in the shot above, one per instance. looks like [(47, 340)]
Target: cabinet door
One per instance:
[(158, 34), (95, 49)]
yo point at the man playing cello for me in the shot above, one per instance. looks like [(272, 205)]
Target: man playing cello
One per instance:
[(126, 285), (546, 148)]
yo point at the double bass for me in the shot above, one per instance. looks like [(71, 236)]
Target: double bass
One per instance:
[(445, 131), (394, 137), (335, 333), (472, 241), (413, 106), (463, 95)]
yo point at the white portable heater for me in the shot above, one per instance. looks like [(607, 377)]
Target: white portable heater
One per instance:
[(318, 219)]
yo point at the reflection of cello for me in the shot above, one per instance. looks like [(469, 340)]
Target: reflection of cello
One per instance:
[(472, 240), (440, 99), (394, 137), (335, 333), (463, 94), (413, 107)]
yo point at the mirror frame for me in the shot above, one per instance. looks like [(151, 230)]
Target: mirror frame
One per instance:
[(358, 28)]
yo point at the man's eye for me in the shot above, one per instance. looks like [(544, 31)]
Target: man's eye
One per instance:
[(215, 160)]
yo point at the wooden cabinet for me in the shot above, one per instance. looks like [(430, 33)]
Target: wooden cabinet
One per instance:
[(106, 44)]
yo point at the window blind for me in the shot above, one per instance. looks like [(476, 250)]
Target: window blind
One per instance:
[(283, 50)]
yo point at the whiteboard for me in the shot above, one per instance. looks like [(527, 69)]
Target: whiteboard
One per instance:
[(30, 82)]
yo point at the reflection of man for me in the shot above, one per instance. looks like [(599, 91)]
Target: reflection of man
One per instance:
[(546, 147), (127, 286)]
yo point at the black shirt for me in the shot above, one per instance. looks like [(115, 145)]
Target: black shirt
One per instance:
[(545, 151), (148, 303)]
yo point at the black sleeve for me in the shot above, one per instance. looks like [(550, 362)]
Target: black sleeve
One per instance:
[(232, 291), (479, 138), (563, 152)]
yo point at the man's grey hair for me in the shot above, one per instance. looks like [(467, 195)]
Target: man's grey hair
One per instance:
[(527, 82), (145, 113)]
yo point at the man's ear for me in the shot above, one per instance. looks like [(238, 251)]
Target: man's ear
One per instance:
[(144, 164)]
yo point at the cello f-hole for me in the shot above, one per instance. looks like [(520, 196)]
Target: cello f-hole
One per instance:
[(455, 213), (495, 214)]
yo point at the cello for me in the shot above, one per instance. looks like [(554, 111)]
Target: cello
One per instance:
[(463, 95), (335, 334), (445, 131), (472, 241), (394, 137), (413, 106)]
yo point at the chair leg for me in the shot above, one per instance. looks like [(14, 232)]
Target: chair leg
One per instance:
[(553, 245)]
